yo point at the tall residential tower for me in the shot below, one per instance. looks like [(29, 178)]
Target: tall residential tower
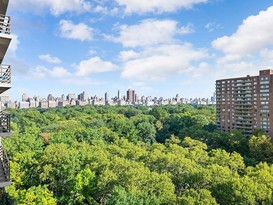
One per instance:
[(5, 84), (245, 103)]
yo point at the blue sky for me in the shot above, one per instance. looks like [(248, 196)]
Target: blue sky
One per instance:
[(157, 47)]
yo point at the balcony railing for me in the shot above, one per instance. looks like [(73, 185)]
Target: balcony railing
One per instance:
[(5, 74), (4, 122), (4, 166), (4, 24)]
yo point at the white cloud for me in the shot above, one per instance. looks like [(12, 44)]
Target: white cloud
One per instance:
[(92, 52), (158, 6), (101, 9), (18, 65), (75, 31), (94, 65), (255, 33), (50, 59), (236, 69), (200, 70), (228, 58), (211, 26), (149, 32), (267, 54), (158, 63), (83, 81), (186, 29), (56, 7), (56, 72), (127, 55)]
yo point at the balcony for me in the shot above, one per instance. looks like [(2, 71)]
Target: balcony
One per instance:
[(5, 35), (4, 24), (5, 78), (5, 130), (4, 169)]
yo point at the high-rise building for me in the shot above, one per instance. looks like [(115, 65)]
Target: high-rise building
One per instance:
[(106, 96), (118, 95), (245, 103), (5, 84), (50, 97), (71, 96), (83, 96), (24, 97), (130, 96)]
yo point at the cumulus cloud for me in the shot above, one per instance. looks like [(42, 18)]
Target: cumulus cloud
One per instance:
[(255, 33), (50, 59), (83, 81), (157, 63), (149, 32), (56, 72), (94, 65), (127, 55), (158, 6), (56, 7), (186, 29), (79, 31), (267, 54)]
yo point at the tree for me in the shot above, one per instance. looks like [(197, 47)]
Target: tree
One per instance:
[(200, 197), (261, 149)]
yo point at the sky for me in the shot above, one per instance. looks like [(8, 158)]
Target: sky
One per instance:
[(157, 47)]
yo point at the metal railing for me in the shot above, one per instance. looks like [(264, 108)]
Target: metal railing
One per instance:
[(5, 165), (4, 122), (4, 24), (5, 74)]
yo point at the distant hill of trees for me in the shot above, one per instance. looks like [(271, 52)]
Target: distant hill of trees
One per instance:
[(134, 156)]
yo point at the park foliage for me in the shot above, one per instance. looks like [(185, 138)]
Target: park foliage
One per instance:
[(134, 156)]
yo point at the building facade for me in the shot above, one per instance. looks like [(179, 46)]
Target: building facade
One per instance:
[(5, 84), (131, 96), (245, 103)]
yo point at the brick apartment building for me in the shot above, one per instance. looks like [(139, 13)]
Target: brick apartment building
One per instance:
[(245, 103)]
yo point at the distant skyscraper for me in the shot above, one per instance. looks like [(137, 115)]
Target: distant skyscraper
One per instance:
[(106, 97), (136, 97), (177, 98), (71, 96), (50, 97), (118, 95), (83, 96), (130, 96), (24, 97)]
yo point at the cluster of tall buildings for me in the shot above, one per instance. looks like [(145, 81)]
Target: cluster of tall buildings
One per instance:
[(131, 98), (245, 103)]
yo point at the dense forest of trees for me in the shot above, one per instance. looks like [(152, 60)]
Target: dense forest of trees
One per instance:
[(134, 156)]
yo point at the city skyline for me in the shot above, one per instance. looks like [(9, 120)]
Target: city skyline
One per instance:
[(131, 98), (159, 49)]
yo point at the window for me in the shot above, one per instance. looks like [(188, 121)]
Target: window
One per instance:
[(264, 91), (264, 107), (265, 111), (264, 78)]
